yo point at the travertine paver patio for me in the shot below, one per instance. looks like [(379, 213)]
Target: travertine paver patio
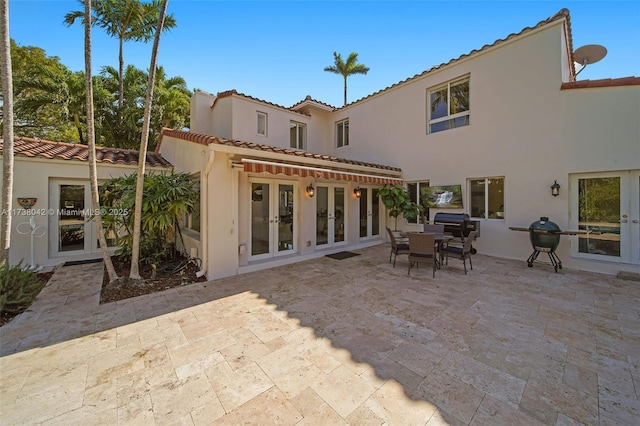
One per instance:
[(331, 342)]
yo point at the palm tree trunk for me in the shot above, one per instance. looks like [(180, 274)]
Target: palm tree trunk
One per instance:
[(91, 142), (144, 142), (121, 77), (345, 89), (7, 133)]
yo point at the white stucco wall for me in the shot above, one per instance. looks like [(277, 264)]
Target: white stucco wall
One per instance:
[(187, 157), (201, 120), (523, 128), (32, 177)]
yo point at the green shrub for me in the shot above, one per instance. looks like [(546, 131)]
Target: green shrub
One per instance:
[(19, 286), (167, 198)]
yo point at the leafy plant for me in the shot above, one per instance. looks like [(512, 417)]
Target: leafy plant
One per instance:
[(398, 202), (167, 197), (19, 286)]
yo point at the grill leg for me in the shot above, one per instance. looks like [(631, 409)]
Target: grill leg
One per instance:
[(532, 258), (555, 261)]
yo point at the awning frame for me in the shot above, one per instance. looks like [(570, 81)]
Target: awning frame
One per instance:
[(260, 166)]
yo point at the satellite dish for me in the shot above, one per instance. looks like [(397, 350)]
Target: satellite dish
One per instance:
[(589, 54)]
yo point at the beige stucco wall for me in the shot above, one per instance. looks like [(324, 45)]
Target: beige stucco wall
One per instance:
[(32, 177)]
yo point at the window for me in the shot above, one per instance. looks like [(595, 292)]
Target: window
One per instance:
[(417, 194), (298, 135), (487, 198), (192, 221), (342, 133), (262, 124), (448, 106)]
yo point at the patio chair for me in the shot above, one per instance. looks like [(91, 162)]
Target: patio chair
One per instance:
[(436, 229), (462, 252), (422, 248), (398, 246)]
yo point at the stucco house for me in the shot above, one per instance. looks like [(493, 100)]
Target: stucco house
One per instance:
[(504, 122), (56, 175)]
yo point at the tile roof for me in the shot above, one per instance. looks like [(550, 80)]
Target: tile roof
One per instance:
[(605, 82), (232, 92), (562, 14), (28, 147), (310, 99), (207, 140)]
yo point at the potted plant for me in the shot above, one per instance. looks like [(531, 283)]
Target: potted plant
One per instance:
[(397, 201)]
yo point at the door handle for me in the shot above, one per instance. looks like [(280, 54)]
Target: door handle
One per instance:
[(635, 221), (623, 221)]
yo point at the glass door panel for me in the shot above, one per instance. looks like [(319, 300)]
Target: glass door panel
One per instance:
[(375, 212), (599, 202), (273, 219), (322, 215), (330, 211), (285, 217), (338, 214), (364, 213), (608, 206), (71, 224), (260, 214)]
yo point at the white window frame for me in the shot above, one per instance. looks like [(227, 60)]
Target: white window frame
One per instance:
[(496, 215), (345, 133), (419, 183), (188, 218), (298, 144), (449, 116), (265, 116)]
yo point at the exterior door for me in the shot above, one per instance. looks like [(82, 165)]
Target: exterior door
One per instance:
[(330, 215), (74, 231), (369, 213), (607, 205), (273, 207)]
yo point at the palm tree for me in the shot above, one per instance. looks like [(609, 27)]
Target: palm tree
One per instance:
[(7, 132), (91, 142), (127, 20), (144, 142), (345, 69)]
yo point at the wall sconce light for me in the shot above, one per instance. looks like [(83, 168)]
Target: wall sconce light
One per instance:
[(555, 188), (357, 192), (311, 190)]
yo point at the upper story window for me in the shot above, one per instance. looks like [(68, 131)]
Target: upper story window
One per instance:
[(262, 124), (487, 198), (342, 133), (298, 135), (448, 106)]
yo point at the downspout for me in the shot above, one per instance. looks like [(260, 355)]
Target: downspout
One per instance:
[(204, 206)]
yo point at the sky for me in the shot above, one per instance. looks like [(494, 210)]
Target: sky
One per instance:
[(277, 51)]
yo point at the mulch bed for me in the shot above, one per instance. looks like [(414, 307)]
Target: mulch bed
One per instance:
[(165, 278)]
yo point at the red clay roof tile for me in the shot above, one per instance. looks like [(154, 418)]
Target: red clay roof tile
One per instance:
[(68, 151), (206, 140), (605, 82)]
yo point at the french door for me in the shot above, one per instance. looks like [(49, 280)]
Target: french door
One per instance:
[(330, 215), (74, 231), (608, 206), (369, 213), (274, 223)]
